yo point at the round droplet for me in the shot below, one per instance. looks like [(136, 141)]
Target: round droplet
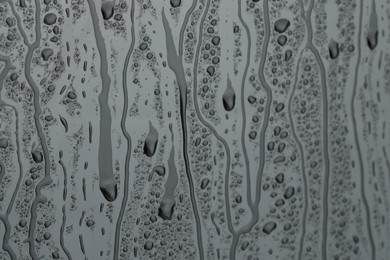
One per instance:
[(46, 53), (289, 192), (148, 245), (3, 142), (281, 25), (50, 19), (72, 95), (279, 178), (269, 227), (175, 3), (107, 9)]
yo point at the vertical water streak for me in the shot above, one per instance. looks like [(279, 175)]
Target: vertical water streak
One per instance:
[(309, 44), (254, 206), (46, 180), (168, 202), (243, 130), (302, 155), (209, 126), (62, 229), (175, 64), (106, 175), (126, 134), (356, 137), (6, 238)]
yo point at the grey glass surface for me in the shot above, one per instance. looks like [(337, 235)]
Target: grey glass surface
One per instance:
[(202, 129)]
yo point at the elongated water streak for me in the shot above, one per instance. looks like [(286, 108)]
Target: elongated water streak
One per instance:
[(208, 125), (183, 28), (106, 175), (243, 131), (46, 180), (355, 133), (62, 229), (302, 155), (175, 64), (5, 218), (126, 134), (309, 44)]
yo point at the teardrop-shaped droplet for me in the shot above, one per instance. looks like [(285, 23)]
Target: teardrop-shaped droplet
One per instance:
[(151, 141), (229, 97)]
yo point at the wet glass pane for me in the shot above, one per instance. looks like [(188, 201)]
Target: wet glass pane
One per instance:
[(202, 129)]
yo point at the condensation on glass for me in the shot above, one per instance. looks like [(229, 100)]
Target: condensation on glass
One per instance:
[(202, 129)]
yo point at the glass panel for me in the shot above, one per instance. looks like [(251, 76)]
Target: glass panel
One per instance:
[(203, 129)]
